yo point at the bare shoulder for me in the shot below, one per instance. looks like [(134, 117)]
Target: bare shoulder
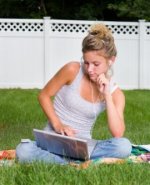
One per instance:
[(118, 92), (119, 97), (69, 71), (72, 66)]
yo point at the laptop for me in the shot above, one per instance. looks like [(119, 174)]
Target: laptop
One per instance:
[(71, 147)]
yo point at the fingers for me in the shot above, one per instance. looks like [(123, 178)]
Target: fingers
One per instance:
[(62, 132), (70, 132), (66, 130), (102, 80), (103, 83)]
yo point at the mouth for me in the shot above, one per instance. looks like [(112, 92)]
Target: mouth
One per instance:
[(93, 77)]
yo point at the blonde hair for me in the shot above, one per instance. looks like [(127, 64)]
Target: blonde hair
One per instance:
[(99, 38)]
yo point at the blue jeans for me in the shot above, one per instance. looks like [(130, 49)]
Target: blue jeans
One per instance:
[(114, 147)]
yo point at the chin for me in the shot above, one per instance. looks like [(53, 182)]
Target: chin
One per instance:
[(93, 79)]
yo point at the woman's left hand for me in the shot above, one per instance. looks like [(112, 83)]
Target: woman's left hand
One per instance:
[(103, 84)]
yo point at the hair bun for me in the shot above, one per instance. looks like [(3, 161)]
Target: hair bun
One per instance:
[(99, 30)]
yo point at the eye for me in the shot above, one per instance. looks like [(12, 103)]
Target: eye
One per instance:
[(86, 63), (96, 64)]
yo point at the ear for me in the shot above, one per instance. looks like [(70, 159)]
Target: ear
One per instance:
[(112, 60)]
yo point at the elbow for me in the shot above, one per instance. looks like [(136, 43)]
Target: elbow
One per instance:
[(119, 133), (41, 97)]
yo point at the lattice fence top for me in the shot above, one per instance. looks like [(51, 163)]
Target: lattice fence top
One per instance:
[(148, 30), (70, 28), (21, 27), (124, 29), (83, 28), (120, 28)]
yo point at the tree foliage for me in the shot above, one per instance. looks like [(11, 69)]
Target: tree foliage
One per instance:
[(132, 9), (79, 9), (22, 8)]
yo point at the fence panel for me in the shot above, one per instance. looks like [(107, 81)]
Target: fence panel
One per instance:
[(33, 50)]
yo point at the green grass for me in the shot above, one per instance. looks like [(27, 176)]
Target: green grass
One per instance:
[(20, 113)]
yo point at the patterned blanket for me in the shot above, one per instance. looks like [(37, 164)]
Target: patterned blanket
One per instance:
[(139, 154), (7, 157)]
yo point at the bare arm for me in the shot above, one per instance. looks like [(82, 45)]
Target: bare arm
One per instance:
[(115, 104), (63, 77)]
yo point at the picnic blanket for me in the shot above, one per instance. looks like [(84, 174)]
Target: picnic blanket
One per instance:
[(139, 154), (7, 157)]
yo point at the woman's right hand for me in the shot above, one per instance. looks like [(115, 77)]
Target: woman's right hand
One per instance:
[(65, 130)]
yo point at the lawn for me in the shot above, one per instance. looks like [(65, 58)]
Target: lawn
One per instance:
[(20, 113)]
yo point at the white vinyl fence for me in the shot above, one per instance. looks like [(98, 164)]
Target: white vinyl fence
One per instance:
[(31, 51)]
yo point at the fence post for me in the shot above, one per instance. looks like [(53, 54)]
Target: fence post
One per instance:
[(141, 53), (46, 48)]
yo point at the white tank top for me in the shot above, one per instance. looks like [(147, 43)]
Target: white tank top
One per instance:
[(75, 111)]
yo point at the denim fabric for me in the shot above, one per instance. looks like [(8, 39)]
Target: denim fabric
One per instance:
[(29, 152), (115, 147)]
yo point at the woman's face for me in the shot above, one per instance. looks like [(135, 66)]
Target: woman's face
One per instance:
[(95, 64)]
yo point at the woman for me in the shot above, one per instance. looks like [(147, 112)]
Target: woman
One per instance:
[(82, 91)]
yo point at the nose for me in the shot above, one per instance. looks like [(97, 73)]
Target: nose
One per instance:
[(90, 68)]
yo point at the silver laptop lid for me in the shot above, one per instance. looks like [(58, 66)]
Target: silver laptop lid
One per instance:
[(62, 145)]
